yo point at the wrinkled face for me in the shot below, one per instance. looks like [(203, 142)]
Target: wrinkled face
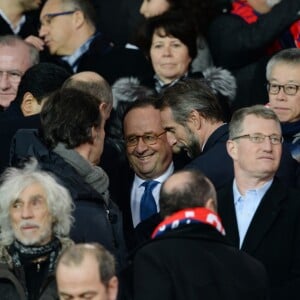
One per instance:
[(170, 57), (30, 216), (57, 40), (29, 5), (148, 161), (83, 282), (151, 8), (256, 160), (180, 137), (286, 107), (14, 61)]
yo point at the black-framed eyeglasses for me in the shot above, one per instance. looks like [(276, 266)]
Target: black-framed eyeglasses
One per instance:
[(289, 89), (47, 18), (148, 139), (258, 138)]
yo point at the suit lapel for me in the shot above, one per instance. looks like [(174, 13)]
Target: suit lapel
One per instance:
[(264, 216), (227, 213)]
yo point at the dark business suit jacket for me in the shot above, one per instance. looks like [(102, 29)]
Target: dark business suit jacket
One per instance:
[(214, 160), (273, 236), (194, 262)]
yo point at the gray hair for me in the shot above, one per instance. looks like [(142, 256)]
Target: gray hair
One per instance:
[(188, 95), (59, 201), (238, 117), (74, 255), (14, 40), (287, 56)]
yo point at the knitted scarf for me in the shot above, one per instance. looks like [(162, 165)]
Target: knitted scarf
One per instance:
[(189, 216), (93, 175), (289, 39), (21, 253)]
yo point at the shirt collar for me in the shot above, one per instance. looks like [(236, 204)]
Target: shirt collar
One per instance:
[(16, 29), (260, 192), (73, 59), (139, 181)]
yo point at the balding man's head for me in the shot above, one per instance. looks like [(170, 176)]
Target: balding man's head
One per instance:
[(92, 83), (186, 189)]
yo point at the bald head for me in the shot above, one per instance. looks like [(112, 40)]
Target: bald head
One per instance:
[(94, 84), (186, 189)]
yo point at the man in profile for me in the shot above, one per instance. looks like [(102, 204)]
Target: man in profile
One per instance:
[(86, 271)]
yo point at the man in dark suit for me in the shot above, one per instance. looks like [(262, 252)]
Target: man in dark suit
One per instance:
[(149, 155), (81, 47), (189, 257), (193, 119), (260, 215)]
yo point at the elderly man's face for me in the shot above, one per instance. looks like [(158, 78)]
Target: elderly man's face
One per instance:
[(30, 217), (58, 30), (14, 61), (286, 107)]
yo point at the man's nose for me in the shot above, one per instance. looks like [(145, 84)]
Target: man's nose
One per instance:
[(27, 212), (4, 81)]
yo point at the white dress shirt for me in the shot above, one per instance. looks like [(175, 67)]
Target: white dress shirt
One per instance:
[(246, 206), (138, 190)]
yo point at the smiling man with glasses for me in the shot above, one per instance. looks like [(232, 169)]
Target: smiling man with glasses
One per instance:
[(69, 31), (283, 74), (150, 156), (259, 213)]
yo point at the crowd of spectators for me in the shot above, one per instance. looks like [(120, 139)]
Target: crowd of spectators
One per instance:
[(150, 149)]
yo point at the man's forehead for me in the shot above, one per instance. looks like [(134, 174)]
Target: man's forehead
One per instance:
[(51, 6)]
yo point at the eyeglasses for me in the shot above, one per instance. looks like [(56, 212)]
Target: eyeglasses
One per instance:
[(289, 89), (13, 76), (148, 139), (258, 138), (47, 19)]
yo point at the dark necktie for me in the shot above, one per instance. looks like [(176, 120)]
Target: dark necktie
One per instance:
[(148, 204)]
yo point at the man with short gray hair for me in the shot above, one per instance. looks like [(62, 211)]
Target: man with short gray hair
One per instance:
[(259, 213)]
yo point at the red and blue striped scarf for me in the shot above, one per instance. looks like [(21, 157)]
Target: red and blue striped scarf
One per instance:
[(189, 216)]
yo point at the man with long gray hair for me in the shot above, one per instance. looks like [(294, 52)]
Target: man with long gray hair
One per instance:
[(35, 220)]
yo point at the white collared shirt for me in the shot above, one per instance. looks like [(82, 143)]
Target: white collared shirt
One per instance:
[(246, 206), (138, 190)]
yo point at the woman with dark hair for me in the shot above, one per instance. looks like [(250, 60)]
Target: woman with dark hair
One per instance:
[(169, 41), (201, 11)]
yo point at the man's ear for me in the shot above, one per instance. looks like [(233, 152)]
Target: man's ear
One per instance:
[(112, 288), (78, 18), (27, 104), (195, 119), (105, 110), (232, 149), (211, 204)]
